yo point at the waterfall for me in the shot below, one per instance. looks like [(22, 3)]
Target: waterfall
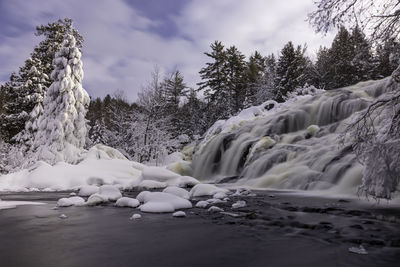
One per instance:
[(294, 145)]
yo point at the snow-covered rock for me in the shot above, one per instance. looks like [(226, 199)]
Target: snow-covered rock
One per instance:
[(162, 202), (96, 199), (205, 190), (63, 216), (70, 201), (100, 151), (177, 191), (150, 184), (179, 214), (127, 202), (239, 204), (215, 209), (110, 192), (202, 204), (88, 190), (220, 195), (135, 216)]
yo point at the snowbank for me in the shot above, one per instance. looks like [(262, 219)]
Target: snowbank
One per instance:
[(14, 204)]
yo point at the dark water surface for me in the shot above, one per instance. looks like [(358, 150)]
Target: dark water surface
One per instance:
[(274, 231)]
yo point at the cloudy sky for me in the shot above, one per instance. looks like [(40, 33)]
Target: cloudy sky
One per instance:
[(125, 39)]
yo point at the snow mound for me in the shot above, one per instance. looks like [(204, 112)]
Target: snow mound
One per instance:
[(71, 201), (179, 214), (159, 174), (162, 202), (177, 191), (96, 199), (206, 190), (110, 192), (150, 184), (64, 176), (202, 204), (88, 190), (164, 175), (127, 202)]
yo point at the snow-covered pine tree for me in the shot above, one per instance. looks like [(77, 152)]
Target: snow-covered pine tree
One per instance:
[(341, 55), (62, 127), (26, 90), (34, 88), (291, 70), (175, 89), (254, 70), (387, 58), (363, 60)]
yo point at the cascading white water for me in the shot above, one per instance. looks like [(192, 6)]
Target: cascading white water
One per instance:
[(293, 146)]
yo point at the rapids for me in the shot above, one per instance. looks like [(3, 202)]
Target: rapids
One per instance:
[(294, 145)]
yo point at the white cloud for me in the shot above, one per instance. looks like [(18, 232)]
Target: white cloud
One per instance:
[(120, 51)]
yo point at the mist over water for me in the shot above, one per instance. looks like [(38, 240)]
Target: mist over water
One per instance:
[(295, 147)]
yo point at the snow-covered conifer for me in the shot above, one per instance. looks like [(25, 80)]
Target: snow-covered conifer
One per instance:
[(62, 128)]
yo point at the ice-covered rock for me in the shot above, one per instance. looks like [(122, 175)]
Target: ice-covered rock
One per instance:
[(88, 190), (177, 191), (205, 190), (202, 204), (215, 209), (179, 214), (127, 202), (239, 204), (157, 207)]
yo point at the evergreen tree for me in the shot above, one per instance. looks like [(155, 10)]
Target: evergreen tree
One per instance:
[(24, 94), (214, 81), (387, 58), (363, 60), (341, 56), (321, 68), (62, 129), (235, 80), (291, 70), (174, 90)]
